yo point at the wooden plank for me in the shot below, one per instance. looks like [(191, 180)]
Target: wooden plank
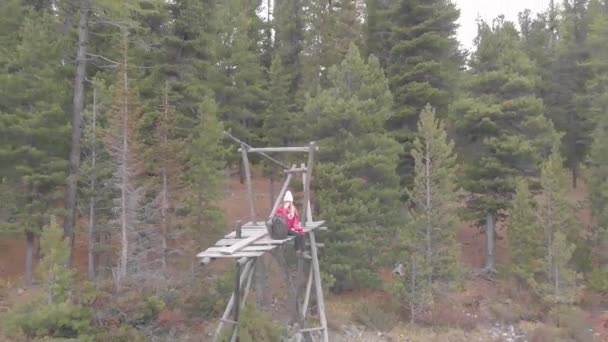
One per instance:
[(276, 149), (245, 233), (235, 255), (295, 170), (244, 243), (248, 182), (258, 248), (263, 241)]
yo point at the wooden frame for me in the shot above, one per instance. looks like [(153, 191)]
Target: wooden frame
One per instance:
[(250, 241)]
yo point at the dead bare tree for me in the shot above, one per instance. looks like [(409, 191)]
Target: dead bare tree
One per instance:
[(124, 149)]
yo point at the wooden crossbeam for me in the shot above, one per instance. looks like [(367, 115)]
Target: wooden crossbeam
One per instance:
[(278, 149)]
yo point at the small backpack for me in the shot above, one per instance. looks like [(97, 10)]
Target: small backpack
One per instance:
[(277, 229)]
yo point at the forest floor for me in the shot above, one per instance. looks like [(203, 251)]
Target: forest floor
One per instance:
[(483, 311)]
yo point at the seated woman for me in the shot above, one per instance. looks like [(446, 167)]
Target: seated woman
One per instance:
[(288, 212)]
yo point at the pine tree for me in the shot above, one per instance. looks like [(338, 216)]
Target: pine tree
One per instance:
[(168, 162), (357, 161), (206, 161), (525, 237), (423, 66), (330, 28), (597, 84), (33, 125), (56, 276), (557, 218), (377, 30), (242, 98), (567, 105), (502, 122), (556, 213), (289, 40), (562, 286), (435, 198)]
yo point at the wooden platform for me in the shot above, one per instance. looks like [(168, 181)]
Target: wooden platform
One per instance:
[(254, 242)]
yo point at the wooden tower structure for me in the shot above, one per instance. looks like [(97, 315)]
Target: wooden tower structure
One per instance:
[(251, 240)]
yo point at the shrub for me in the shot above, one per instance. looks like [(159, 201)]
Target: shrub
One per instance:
[(207, 300), (544, 333), (379, 316), (61, 320), (124, 333), (504, 313), (573, 322), (255, 326), (598, 281)]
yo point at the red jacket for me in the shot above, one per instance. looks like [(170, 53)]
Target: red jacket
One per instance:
[(292, 223)]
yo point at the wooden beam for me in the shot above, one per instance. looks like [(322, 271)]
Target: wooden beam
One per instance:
[(243, 243), (261, 242), (307, 293), (215, 255), (318, 287), (295, 170), (237, 301), (276, 149), (279, 198), (258, 248), (309, 167), (248, 284), (229, 306), (248, 183), (260, 153)]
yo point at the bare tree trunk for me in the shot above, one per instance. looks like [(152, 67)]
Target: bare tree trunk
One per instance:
[(413, 291), (92, 228), (575, 175), (429, 225), (124, 177), (29, 257), (78, 106), (165, 189), (490, 244), (556, 275)]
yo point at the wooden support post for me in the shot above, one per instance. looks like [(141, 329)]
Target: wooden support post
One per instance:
[(307, 293), (309, 167), (279, 199), (249, 276), (318, 287), (238, 230), (306, 210), (237, 301), (231, 302), (248, 182)]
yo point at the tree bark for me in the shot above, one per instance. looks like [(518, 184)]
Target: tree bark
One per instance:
[(78, 106), (429, 226), (92, 228), (490, 266), (29, 257), (124, 254)]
